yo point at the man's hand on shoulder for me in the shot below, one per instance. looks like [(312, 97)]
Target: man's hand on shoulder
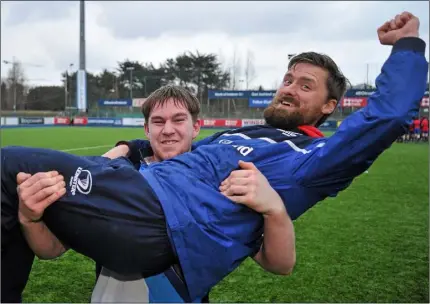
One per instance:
[(118, 151)]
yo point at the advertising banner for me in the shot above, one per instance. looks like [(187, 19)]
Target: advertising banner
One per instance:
[(358, 98), (359, 92), (252, 122), (104, 121), (259, 102), (138, 102), (61, 120), (126, 102), (356, 102), (218, 94), (221, 123), (133, 121), (80, 121), (11, 121), (227, 94), (31, 120), (49, 120), (81, 90)]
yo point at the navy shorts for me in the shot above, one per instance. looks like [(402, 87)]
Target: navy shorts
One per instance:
[(109, 212), (16, 262)]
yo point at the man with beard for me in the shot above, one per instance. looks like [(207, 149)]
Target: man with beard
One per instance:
[(205, 231)]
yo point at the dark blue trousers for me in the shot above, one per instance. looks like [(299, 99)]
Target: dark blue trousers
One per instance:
[(109, 212)]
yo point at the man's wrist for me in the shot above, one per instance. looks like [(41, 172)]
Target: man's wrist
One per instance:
[(409, 35), (277, 210), (29, 222)]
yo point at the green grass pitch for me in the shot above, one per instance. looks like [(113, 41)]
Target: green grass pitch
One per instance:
[(370, 244)]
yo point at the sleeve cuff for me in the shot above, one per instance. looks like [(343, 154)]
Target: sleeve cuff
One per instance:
[(410, 44), (139, 149), (133, 155), (123, 142)]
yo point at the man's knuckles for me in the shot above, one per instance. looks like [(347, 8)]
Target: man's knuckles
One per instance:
[(44, 183)]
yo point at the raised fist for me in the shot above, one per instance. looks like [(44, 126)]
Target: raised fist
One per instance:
[(403, 25)]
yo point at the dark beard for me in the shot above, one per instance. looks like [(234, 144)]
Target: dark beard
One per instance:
[(282, 119)]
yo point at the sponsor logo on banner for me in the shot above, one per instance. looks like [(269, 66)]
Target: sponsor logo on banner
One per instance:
[(104, 121), (227, 94), (127, 121), (233, 123), (138, 102), (115, 102), (239, 94), (207, 123), (30, 120), (259, 102), (222, 123), (425, 102), (61, 120), (359, 92), (270, 94), (364, 93), (80, 121), (354, 102), (252, 122)]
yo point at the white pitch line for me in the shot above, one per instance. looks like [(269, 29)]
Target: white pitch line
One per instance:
[(86, 148)]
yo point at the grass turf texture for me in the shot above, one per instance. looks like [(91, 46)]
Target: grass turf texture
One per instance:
[(370, 244)]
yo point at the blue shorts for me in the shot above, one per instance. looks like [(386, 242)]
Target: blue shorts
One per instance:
[(417, 131), (126, 236)]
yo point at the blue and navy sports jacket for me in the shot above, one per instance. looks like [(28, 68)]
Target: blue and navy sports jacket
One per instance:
[(212, 235), (169, 286)]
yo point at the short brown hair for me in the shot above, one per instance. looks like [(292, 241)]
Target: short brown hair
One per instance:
[(336, 81), (180, 95)]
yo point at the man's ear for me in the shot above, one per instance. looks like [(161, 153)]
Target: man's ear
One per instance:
[(145, 126), (329, 106), (196, 128)]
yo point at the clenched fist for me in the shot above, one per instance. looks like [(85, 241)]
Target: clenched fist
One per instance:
[(403, 25)]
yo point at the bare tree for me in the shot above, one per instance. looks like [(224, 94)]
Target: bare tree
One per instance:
[(3, 94), (222, 61), (235, 79), (235, 70), (249, 69)]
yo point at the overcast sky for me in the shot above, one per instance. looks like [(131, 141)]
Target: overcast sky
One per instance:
[(47, 34)]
